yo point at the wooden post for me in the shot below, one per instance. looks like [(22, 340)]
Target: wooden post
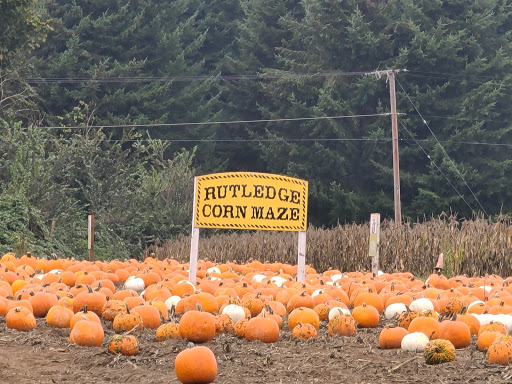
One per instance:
[(301, 257), (90, 236), (394, 136), (194, 250), (194, 242), (374, 242)]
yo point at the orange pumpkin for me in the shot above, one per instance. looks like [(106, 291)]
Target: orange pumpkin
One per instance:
[(196, 365), (123, 344)]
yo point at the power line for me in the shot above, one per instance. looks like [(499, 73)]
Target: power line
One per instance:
[(435, 165), (455, 74), (459, 79), (356, 139), (270, 76), (167, 79), (442, 148), (152, 125)]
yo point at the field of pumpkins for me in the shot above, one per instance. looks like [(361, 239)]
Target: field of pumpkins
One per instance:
[(67, 320)]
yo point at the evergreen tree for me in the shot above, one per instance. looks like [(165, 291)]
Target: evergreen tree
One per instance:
[(459, 55), (351, 178), (134, 49), (21, 30)]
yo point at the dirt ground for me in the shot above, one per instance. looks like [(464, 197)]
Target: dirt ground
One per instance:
[(45, 356)]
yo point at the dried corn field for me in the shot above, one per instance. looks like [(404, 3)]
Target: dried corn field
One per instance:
[(471, 247)]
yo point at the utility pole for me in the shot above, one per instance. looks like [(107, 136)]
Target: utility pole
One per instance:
[(394, 136)]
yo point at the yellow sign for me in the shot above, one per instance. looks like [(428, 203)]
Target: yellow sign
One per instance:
[(247, 200)]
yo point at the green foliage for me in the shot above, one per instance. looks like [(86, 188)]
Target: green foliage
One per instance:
[(458, 55), (137, 196), (22, 31)]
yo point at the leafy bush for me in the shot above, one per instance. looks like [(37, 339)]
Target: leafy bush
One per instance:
[(50, 182)]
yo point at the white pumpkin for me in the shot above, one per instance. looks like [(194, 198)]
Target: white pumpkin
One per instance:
[(336, 277), (135, 283), (420, 305), (258, 278), (278, 280), (394, 309), (414, 342), (172, 301), (317, 292), (236, 312), (475, 303), (214, 270), (486, 318), (40, 276), (338, 311)]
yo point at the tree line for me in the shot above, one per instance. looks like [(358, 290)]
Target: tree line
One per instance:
[(101, 102)]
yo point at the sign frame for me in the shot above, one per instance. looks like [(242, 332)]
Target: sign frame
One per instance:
[(249, 200)]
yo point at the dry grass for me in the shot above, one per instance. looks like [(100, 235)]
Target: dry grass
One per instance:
[(471, 247)]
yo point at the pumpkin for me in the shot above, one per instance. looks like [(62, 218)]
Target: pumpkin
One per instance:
[(471, 321), (439, 351), (239, 328), (94, 301), (42, 302), (304, 331), (124, 345), (421, 304), (428, 325), (151, 315), (455, 331), (196, 365), (263, 329), (20, 319), (224, 324), (342, 325), (405, 318), (206, 301), (126, 321), (112, 308), (172, 302), (168, 331), (87, 333), (300, 300), (391, 337), (394, 310), (485, 339), (305, 316), (235, 312), (366, 316), (254, 302), (59, 317), (372, 299), (84, 314), (500, 351), (414, 342), (183, 288), (454, 305), (493, 326), (135, 283), (334, 311), (197, 326)]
